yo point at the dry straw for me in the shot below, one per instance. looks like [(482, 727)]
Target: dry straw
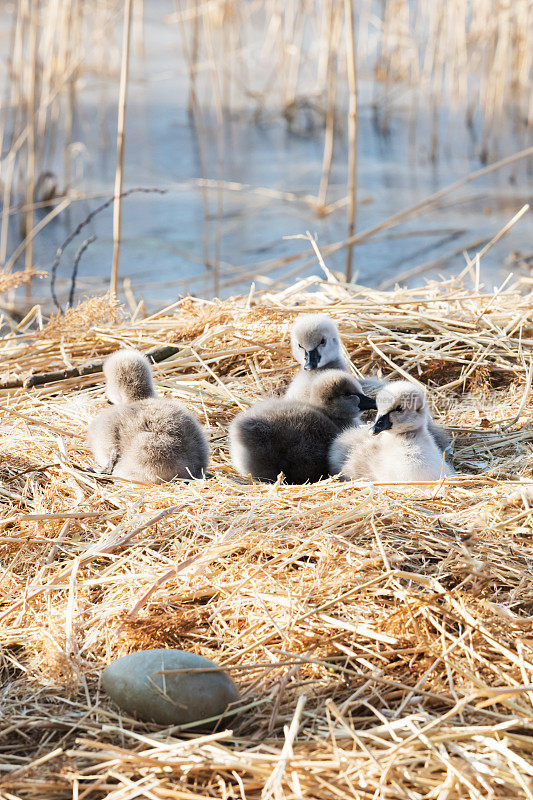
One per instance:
[(381, 636)]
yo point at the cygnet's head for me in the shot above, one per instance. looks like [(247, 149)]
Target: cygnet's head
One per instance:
[(401, 408), (340, 395), (128, 377), (315, 341)]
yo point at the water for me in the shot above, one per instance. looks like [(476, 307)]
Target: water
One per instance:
[(166, 237)]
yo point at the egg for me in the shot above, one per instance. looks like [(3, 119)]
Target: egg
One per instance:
[(199, 691)]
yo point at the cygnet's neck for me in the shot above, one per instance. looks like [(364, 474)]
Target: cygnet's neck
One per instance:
[(128, 396), (411, 434), (337, 363), (419, 435), (342, 420)]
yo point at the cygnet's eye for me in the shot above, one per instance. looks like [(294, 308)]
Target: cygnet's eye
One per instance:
[(323, 341), (399, 409), (301, 346)]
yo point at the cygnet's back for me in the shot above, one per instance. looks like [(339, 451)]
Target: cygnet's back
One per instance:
[(294, 437), (398, 448), (144, 437), (152, 440)]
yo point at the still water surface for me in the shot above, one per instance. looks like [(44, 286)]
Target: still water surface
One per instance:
[(271, 168)]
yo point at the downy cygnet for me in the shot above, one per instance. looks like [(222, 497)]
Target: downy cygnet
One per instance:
[(316, 346), (398, 447), (294, 437), (144, 437)]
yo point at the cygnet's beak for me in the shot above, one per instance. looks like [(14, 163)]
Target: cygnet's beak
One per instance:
[(382, 423), (312, 357), (366, 403)]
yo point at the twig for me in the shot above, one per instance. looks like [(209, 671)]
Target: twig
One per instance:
[(81, 226), (156, 354), (77, 259)]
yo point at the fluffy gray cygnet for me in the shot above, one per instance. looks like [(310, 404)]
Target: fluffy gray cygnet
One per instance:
[(144, 437), (316, 346), (398, 448), (294, 437)]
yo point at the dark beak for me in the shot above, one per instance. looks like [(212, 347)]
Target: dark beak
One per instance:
[(366, 403), (312, 357), (382, 424)]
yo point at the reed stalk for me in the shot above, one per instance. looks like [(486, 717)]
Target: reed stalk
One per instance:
[(351, 69), (33, 22), (333, 15), (121, 133)]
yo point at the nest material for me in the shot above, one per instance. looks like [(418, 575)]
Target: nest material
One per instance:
[(381, 636)]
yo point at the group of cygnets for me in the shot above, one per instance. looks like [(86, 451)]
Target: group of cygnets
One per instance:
[(314, 430)]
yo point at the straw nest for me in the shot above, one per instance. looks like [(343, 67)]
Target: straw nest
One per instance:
[(381, 637)]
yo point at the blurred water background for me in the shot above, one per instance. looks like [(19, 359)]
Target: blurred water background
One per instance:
[(229, 110)]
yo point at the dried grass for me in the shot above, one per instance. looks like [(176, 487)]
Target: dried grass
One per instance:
[(12, 280), (381, 637)]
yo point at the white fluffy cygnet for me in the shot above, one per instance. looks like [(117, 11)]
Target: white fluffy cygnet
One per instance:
[(144, 437), (398, 448), (316, 346), (294, 437)]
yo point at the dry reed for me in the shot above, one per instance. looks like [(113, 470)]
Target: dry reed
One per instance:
[(121, 132), (381, 637)]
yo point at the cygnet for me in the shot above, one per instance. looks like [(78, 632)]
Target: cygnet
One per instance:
[(294, 437), (144, 437), (398, 448), (316, 346)]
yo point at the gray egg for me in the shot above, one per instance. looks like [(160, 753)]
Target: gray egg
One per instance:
[(172, 698)]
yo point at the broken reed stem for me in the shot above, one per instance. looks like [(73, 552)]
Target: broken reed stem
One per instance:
[(351, 68), (273, 786), (27, 242), (506, 228), (121, 129), (219, 107), (196, 112)]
